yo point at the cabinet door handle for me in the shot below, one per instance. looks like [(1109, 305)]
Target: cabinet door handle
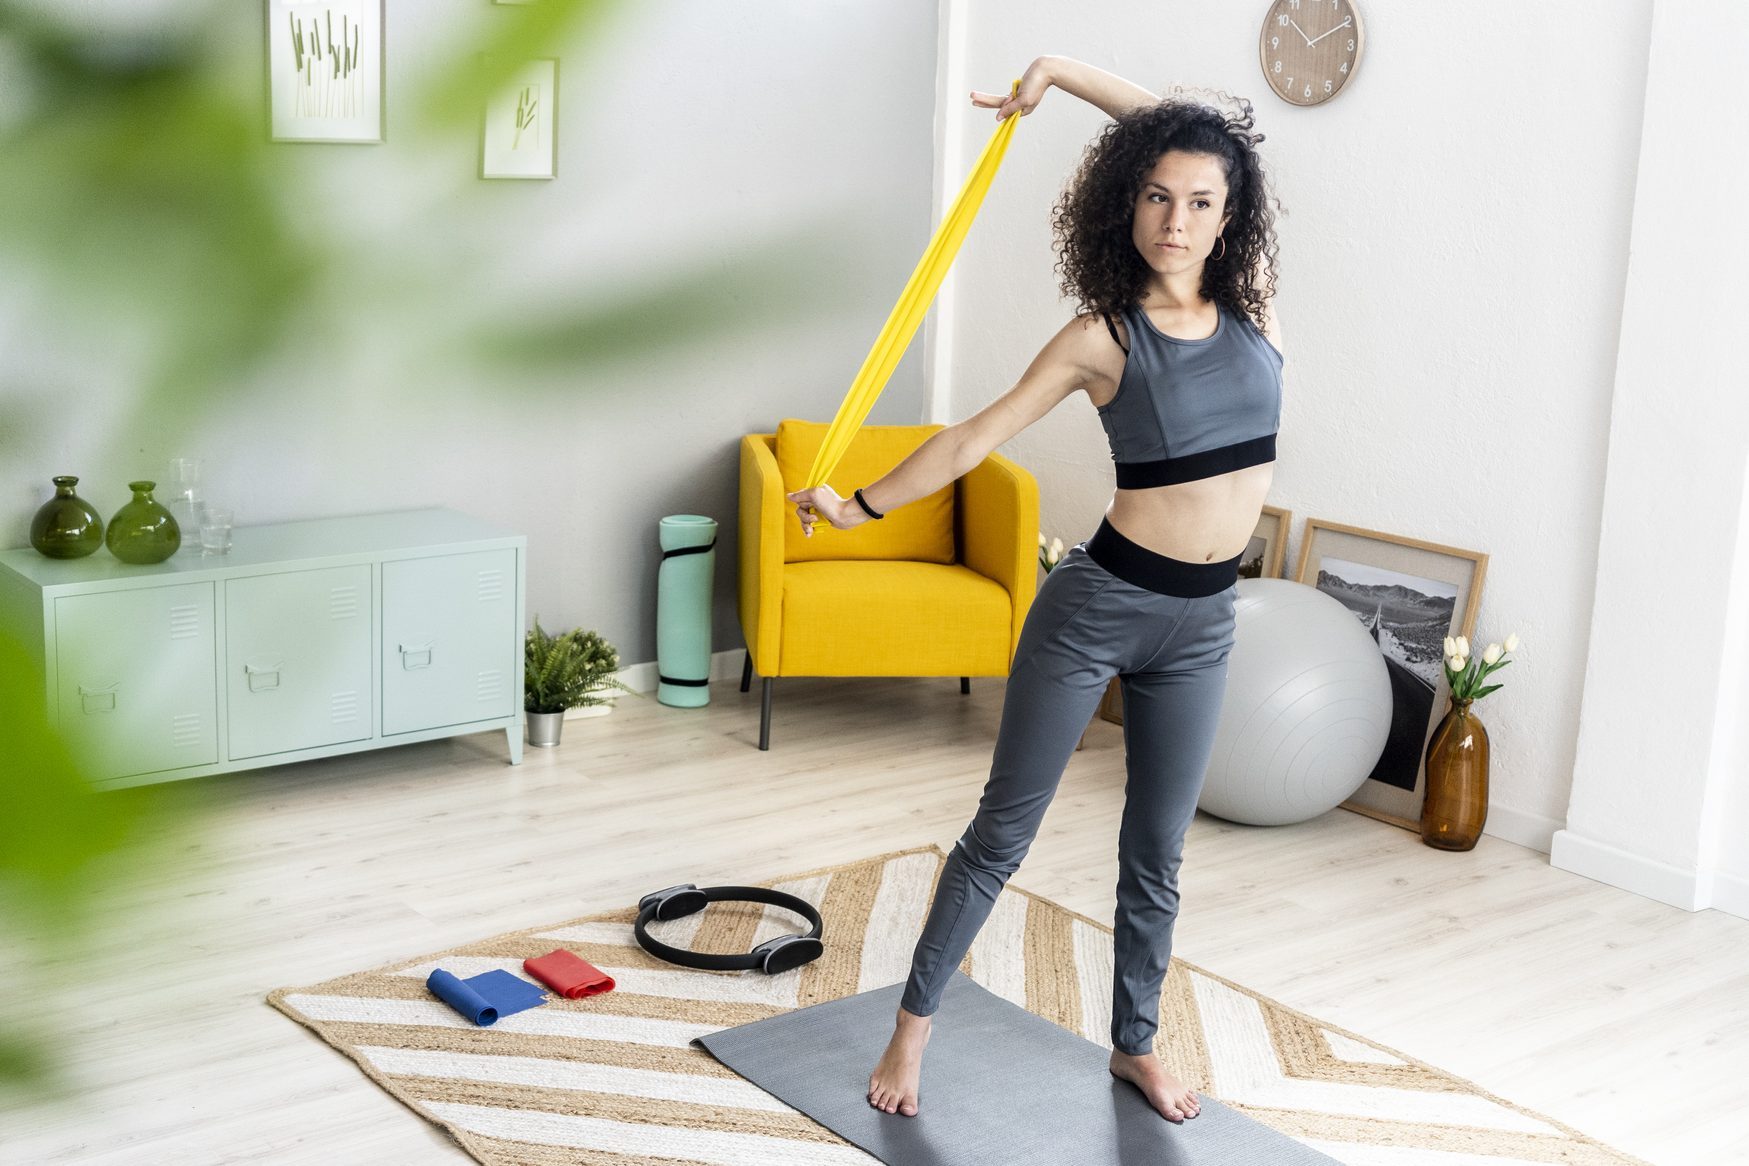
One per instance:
[(98, 700), (263, 679), (414, 656)]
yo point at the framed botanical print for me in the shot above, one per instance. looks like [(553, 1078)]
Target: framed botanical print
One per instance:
[(1409, 595), (325, 70), (518, 138)]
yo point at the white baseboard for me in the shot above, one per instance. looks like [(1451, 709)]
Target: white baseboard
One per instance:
[(1687, 889), (1532, 831), (1731, 894), (644, 678)]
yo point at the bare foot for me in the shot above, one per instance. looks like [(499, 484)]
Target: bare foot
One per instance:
[(893, 1084), (1164, 1092)]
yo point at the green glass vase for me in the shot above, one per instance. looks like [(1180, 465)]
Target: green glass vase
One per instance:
[(66, 526), (143, 531)]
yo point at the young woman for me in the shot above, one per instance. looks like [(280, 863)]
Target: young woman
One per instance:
[(1167, 243)]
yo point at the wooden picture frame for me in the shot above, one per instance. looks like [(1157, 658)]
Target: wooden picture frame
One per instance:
[(325, 67), (1410, 594), (1263, 558)]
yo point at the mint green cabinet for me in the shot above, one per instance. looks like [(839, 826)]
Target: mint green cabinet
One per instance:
[(307, 640), (135, 688), (297, 654), (450, 641)]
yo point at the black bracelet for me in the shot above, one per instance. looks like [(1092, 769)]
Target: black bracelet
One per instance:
[(863, 502)]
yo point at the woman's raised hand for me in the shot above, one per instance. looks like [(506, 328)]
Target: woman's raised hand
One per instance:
[(1033, 84), (817, 502)]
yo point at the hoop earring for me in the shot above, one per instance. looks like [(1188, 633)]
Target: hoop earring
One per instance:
[(1223, 254)]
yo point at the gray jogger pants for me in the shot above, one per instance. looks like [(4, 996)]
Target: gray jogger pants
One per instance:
[(1109, 608)]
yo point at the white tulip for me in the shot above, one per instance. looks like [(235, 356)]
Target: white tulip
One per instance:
[(1057, 547), (1051, 556), (1450, 646), (1463, 646), (1460, 664), (1512, 642), (1041, 538), (1492, 655)]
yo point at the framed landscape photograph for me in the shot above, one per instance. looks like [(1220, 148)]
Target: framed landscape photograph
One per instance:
[(325, 70), (1409, 595), (519, 137)]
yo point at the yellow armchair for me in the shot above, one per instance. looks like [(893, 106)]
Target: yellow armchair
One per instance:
[(940, 591)]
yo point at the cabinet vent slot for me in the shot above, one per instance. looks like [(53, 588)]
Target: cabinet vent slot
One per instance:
[(342, 602), (489, 685), (185, 729), (491, 586), (343, 707), (184, 621)]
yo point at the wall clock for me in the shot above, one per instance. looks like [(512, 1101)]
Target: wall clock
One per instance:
[(1309, 49)]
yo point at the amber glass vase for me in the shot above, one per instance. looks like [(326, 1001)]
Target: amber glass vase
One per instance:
[(1456, 805)]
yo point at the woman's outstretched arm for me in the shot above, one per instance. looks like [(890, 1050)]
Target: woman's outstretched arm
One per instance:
[(1090, 83)]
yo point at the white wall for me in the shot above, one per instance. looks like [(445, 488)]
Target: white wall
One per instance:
[(780, 151), (1657, 802), (1450, 291)]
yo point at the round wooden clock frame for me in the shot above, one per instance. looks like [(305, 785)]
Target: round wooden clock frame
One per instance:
[(1309, 49)]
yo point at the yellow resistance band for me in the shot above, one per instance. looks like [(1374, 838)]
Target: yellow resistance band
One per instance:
[(914, 301)]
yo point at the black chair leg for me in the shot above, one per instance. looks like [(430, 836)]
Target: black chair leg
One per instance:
[(747, 670), (765, 716), (965, 685)]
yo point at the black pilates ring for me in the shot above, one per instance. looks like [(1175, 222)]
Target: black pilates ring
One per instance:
[(779, 954)]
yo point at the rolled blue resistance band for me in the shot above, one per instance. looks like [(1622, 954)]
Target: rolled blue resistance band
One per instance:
[(487, 996)]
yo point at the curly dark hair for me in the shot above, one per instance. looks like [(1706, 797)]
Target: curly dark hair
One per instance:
[(1092, 219)]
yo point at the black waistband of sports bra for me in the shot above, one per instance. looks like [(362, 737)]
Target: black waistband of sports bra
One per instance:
[(1152, 571), (1192, 466)]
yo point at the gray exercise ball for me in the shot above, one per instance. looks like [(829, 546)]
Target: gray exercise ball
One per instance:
[(1307, 708)]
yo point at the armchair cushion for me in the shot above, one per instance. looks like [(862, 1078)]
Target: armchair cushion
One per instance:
[(893, 619), (920, 531)]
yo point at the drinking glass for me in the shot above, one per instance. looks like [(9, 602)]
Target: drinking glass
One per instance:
[(215, 529)]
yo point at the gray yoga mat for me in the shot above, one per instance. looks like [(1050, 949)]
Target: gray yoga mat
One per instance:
[(1000, 1085)]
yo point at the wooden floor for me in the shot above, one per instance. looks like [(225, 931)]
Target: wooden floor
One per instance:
[(1620, 1016)]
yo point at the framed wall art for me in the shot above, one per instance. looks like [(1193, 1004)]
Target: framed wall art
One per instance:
[(325, 70), (519, 137), (1267, 550), (1409, 595)]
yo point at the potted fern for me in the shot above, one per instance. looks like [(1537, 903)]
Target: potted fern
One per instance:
[(561, 672)]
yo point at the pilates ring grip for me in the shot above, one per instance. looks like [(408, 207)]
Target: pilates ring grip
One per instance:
[(775, 955)]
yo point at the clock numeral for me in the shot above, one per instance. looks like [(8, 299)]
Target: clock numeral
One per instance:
[(1351, 44), (1294, 4), (1327, 86), (1278, 67), (1275, 42), (1290, 84), (1308, 91), (1344, 67), (1282, 20)]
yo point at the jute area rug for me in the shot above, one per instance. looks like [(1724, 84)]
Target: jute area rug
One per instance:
[(611, 1079)]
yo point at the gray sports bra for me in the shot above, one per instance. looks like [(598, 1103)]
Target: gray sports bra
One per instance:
[(1189, 409)]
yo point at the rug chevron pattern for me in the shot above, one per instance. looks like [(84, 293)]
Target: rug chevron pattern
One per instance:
[(611, 1079)]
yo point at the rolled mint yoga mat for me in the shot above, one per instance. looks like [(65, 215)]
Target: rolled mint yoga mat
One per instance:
[(487, 996), (999, 1084)]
